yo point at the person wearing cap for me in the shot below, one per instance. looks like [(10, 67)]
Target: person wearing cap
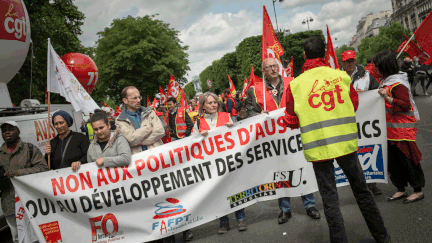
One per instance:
[(68, 148), (17, 158), (362, 81), (360, 78)]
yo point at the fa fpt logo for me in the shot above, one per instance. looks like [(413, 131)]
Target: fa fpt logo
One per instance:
[(173, 216)]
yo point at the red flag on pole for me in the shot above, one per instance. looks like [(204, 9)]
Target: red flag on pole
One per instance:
[(270, 43), (183, 101), (155, 103), (289, 70), (414, 50), (330, 56), (245, 85), (423, 34), (231, 87), (163, 96), (174, 89), (148, 102)]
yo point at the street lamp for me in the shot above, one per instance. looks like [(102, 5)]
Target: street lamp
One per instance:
[(277, 27), (307, 20)]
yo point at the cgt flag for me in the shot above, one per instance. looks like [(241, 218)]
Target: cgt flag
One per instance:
[(423, 34), (174, 89), (231, 87), (183, 101), (60, 80), (413, 50), (330, 56), (289, 71), (148, 102), (155, 103), (163, 96), (270, 43), (245, 86)]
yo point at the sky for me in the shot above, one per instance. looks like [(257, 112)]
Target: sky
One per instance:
[(212, 28)]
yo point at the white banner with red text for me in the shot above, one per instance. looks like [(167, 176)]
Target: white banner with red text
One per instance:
[(189, 182)]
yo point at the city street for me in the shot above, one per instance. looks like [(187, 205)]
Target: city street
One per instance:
[(405, 222)]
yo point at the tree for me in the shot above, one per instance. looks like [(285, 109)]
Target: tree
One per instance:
[(389, 38), (59, 20), (189, 90), (142, 52)]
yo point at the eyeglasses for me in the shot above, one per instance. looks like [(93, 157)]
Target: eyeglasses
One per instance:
[(136, 98), (272, 67)]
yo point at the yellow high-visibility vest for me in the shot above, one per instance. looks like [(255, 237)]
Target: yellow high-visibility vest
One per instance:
[(90, 132), (326, 114)]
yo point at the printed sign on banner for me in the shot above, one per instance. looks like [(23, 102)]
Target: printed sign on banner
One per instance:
[(170, 188)]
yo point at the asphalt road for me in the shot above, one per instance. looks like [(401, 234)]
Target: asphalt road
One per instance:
[(409, 223)]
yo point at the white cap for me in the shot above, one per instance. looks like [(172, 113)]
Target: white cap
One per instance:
[(12, 123)]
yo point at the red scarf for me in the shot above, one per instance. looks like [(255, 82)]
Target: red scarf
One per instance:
[(313, 63)]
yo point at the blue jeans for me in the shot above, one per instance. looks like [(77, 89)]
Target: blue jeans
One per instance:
[(240, 215), (308, 202), (234, 119)]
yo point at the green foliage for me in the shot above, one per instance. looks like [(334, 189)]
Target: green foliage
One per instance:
[(293, 46), (341, 50), (189, 90), (389, 38), (61, 21), (142, 52), (248, 53)]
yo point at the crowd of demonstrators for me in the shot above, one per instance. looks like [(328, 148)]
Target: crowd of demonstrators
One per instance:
[(360, 78), (17, 158), (87, 128), (180, 123), (274, 99), (401, 115), (67, 148), (338, 144), (210, 118)]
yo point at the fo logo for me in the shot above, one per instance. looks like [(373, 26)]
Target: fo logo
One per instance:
[(168, 209)]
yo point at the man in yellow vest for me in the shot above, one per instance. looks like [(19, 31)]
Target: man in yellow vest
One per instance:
[(322, 103), (275, 99)]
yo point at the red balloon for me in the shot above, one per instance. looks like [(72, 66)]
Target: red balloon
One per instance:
[(83, 68)]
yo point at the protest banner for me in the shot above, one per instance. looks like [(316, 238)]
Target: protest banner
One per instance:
[(189, 182)]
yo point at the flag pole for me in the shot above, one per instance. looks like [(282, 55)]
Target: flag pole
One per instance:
[(264, 91), (406, 44), (49, 99)]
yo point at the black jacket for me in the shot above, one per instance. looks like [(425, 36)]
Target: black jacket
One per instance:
[(373, 84), (171, 120), (76, 150), (405, 68)]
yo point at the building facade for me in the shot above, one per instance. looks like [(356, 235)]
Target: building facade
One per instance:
[(369, 26), (410, 13)]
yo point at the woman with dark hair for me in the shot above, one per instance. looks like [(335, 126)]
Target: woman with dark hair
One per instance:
[(68, 148), (401, 115), (210, 118)]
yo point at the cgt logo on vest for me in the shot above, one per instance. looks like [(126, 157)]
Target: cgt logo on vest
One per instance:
[(169, 209), (371, 160), (323, 94)]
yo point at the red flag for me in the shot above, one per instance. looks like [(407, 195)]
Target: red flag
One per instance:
[(183, 101), (330, 56), (174, 89), (253, 79), (245, 85), (270, 44), (148, 102), (155, 103), (289, 70), (423, 34), (117, 111), (163, 96), (231, 87), (413, 50)]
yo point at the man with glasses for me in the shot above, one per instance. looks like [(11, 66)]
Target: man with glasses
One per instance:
[(274, 99), (140, 125)]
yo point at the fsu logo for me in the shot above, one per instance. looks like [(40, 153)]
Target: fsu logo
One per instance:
[(168, 209)]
